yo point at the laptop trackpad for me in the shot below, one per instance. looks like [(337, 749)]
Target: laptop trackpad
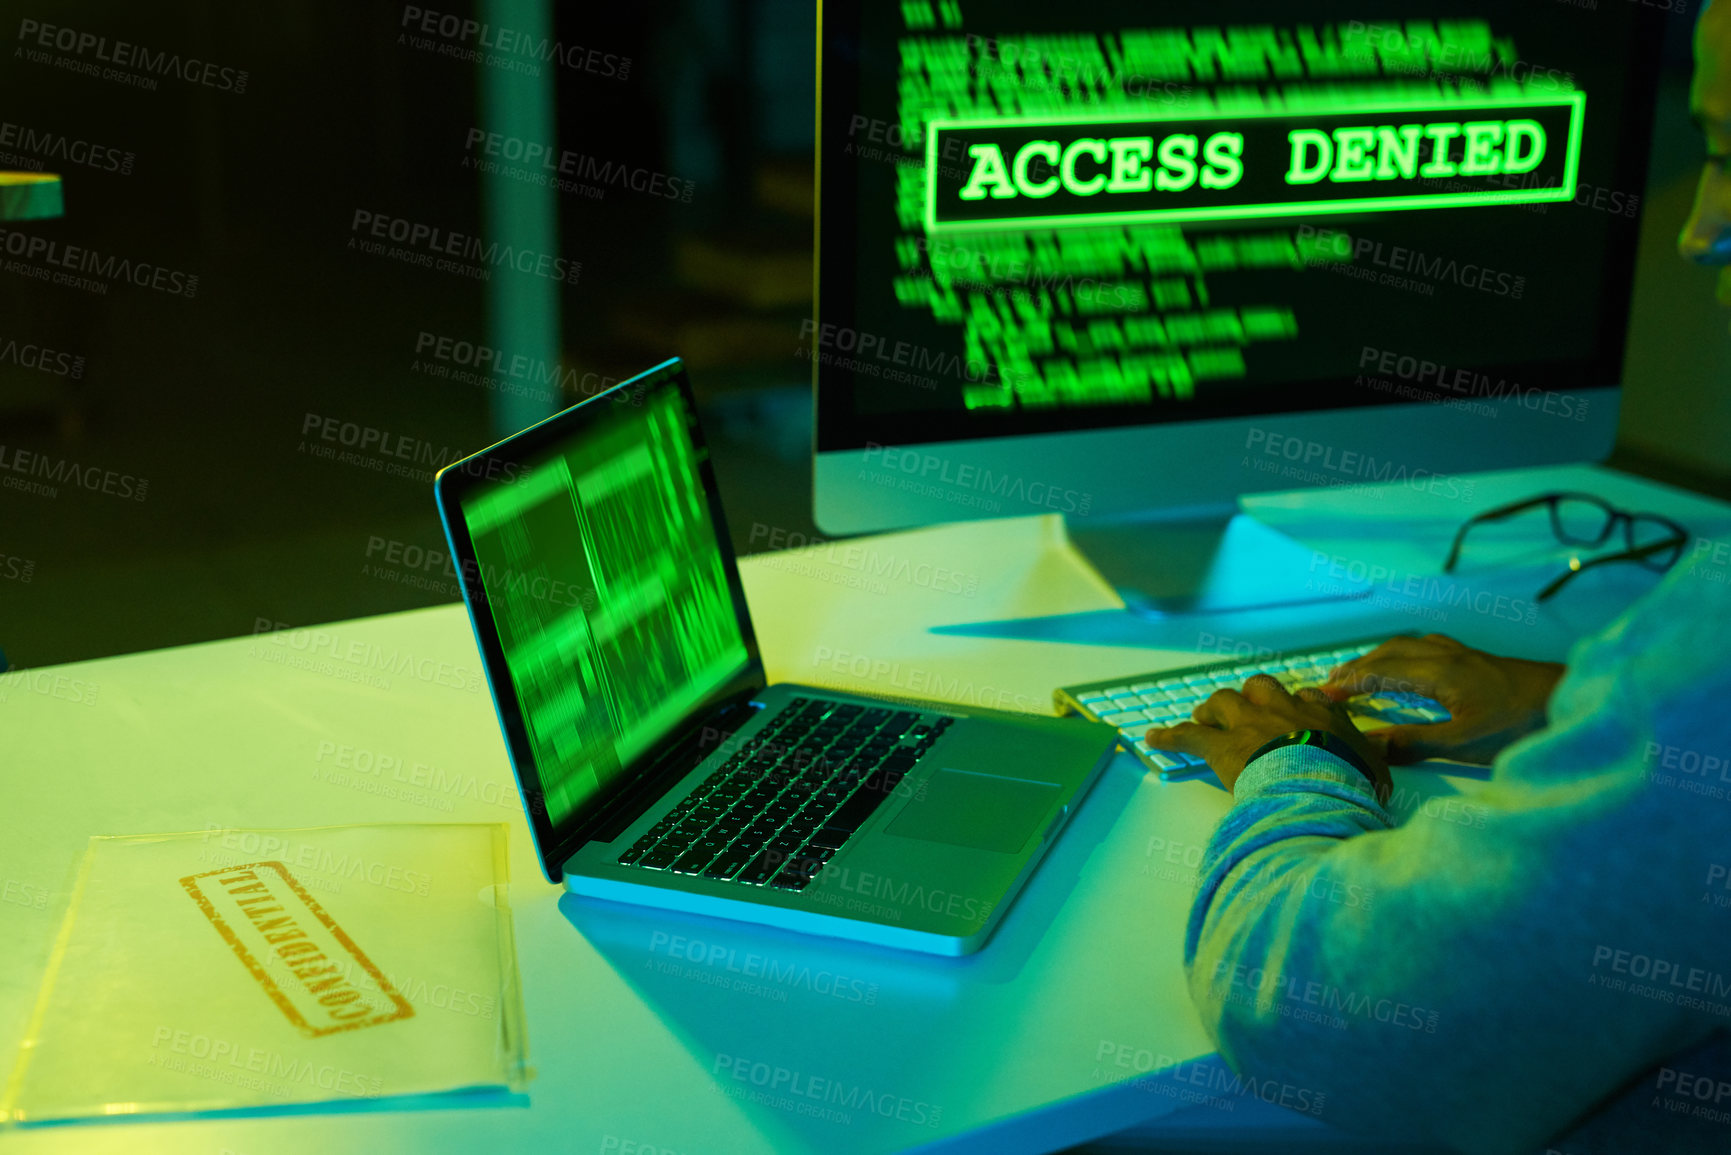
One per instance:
[(978, 810)]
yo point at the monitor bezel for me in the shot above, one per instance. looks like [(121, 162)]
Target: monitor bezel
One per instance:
[(840, 428), (555, 844)]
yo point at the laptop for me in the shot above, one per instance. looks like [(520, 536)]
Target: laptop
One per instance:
[(657, 764)]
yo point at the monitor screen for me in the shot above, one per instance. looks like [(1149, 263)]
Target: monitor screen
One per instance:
[(1042, 217), (608, 589)]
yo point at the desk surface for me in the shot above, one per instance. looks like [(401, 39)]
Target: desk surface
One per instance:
[(1033, 1044)]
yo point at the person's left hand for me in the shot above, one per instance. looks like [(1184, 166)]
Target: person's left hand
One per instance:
[(1232, 725)]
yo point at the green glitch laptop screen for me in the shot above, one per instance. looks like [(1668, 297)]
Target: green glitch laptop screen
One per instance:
[(1039, 217), (607, 586)]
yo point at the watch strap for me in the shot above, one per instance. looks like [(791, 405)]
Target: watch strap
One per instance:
[(1321, 740)]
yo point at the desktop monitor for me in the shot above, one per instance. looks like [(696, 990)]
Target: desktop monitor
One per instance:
[(1128, 260)]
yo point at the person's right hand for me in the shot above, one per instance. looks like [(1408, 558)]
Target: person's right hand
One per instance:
[(1492, 701)]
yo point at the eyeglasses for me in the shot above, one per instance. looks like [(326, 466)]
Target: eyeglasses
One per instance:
[(1582, 519)]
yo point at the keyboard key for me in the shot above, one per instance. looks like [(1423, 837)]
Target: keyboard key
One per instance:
[(1164, 760), (682, 837), (797, 831), (831, 837), (660, 858), (856, 810), (728, 864), (694, 860), (1184, 772), (801, 869), (759, 869)]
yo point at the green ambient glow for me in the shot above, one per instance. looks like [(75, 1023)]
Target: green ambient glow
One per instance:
[(604, 576)]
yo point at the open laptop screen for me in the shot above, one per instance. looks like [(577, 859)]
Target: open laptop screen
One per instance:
[(606, 583)]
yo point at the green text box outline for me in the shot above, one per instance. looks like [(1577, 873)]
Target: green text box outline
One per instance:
[(1577, 101)]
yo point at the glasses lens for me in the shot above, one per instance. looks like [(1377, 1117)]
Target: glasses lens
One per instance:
[(1646, 531), (1581, 522)]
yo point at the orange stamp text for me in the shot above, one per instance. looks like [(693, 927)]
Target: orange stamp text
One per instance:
[(295, 950)]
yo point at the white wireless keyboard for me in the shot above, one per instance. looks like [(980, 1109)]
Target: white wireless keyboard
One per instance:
[(1134, 704)]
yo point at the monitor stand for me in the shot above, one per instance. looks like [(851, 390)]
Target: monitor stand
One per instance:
[(1205, 562)]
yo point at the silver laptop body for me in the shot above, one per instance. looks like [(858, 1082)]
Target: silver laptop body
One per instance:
[(657, 765)]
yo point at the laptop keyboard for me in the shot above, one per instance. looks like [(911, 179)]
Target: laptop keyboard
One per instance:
[(791, 795), (1137, 703)]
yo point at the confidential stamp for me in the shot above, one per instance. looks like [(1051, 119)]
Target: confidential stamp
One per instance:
[(295, 950)]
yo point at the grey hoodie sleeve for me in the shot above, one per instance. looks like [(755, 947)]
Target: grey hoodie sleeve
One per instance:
[(1485, 975)]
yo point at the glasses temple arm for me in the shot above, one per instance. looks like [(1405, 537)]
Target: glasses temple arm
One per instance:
[(1496, 514), (1626, 555)]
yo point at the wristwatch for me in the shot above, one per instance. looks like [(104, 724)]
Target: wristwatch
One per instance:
[(1322, 740)]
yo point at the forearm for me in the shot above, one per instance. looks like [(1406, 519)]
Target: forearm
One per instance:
[(1401, 974), (1286, 801), (1288, 944), (1458, 980)]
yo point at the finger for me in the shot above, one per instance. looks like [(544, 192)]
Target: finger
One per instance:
[(1263, 690), (1403, 745), (1316, 695), (1184, 738), (1221, 709), (1398, 674), (1401, 647), (1444, 640)]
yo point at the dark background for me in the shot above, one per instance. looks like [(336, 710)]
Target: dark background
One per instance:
[(206, 397)]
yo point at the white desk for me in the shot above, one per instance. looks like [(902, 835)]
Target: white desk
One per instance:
[(630, 1025)]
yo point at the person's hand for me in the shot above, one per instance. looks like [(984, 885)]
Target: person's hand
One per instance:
[(1232, 725), (1492, 701)]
